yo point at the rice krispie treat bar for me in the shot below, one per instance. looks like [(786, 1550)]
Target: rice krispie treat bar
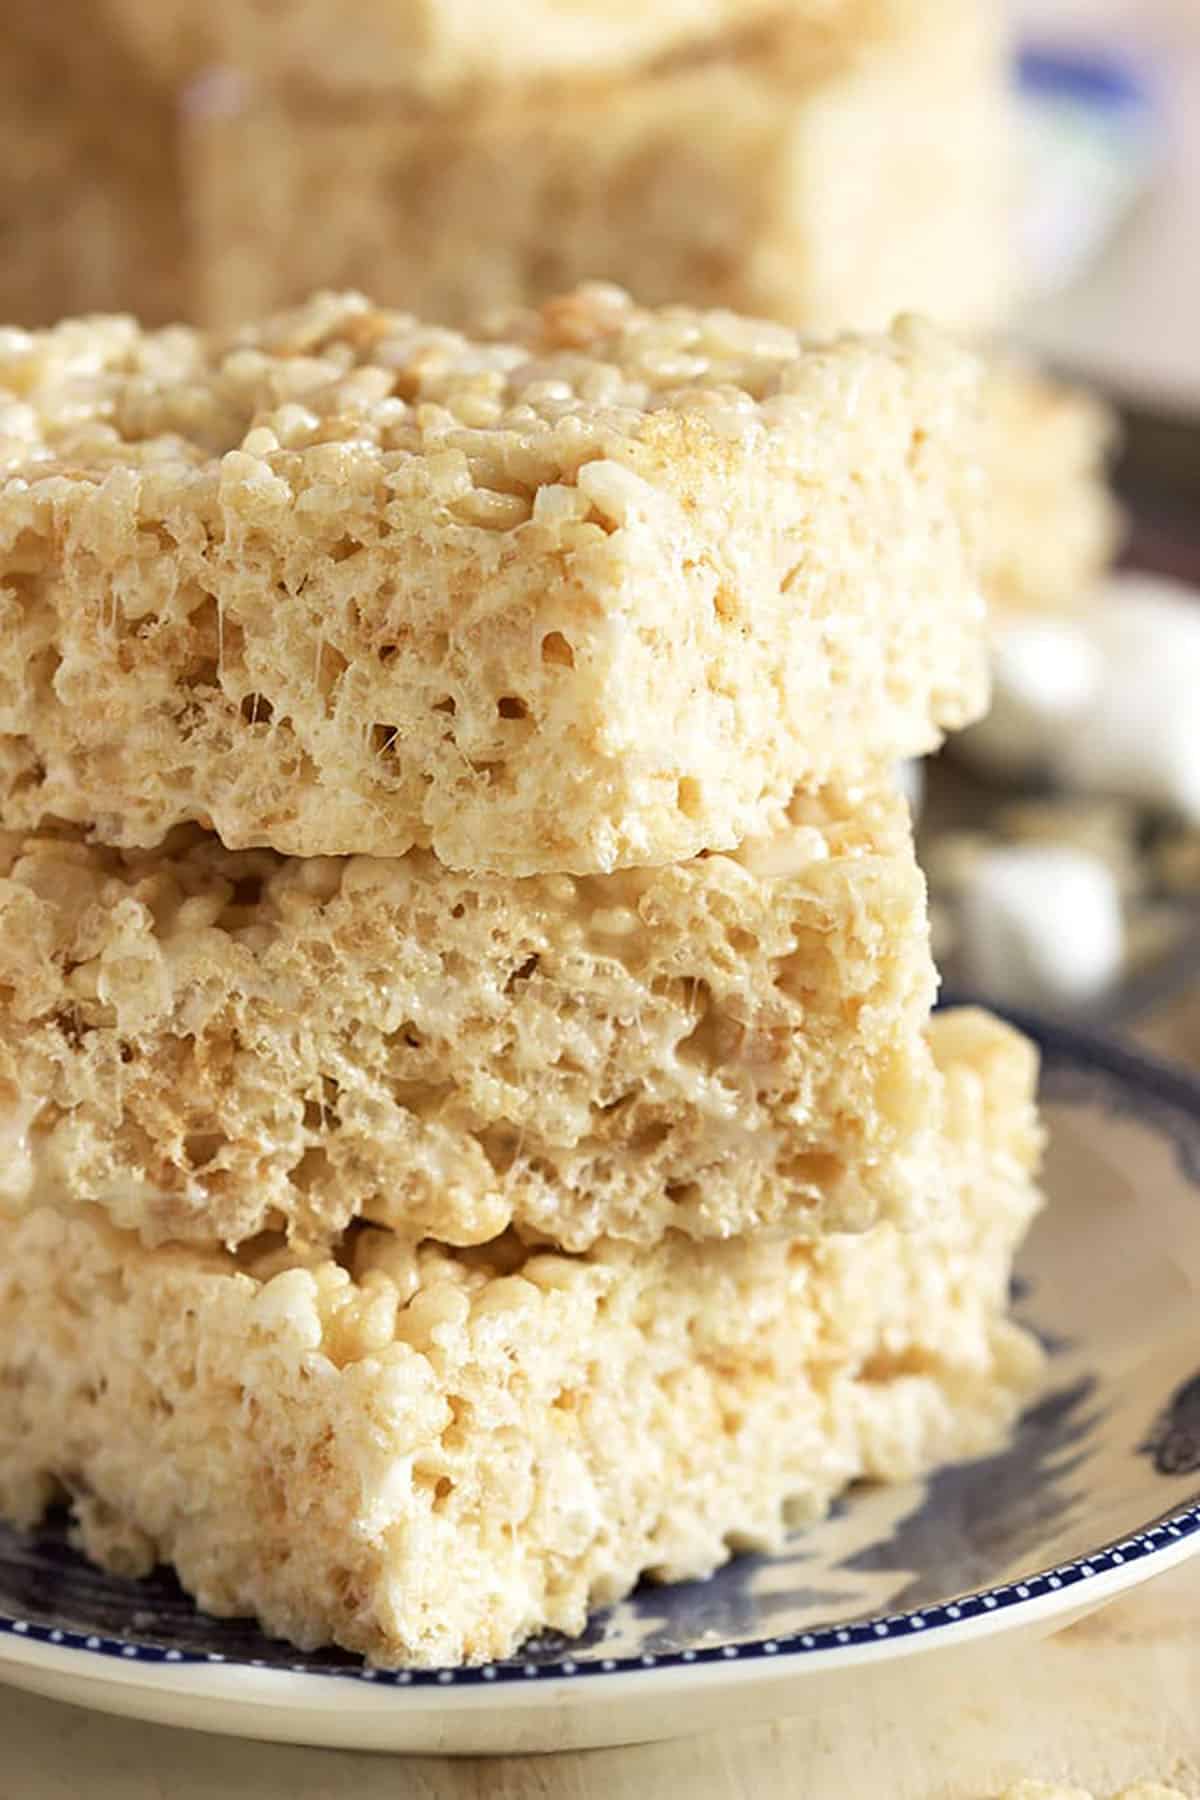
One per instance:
[(434, 49), (787, 173), (1053, 523), (90, 215), (426, 1455), (598, 591), (211, 1044)]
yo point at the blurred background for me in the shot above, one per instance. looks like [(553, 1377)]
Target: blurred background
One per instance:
[(1096, 730), (1133, 319), (1027, 171)]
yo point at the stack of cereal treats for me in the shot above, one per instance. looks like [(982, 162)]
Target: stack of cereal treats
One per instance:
[(473, 1130)]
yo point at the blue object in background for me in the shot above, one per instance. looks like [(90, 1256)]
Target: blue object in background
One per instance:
[(1092, 126)]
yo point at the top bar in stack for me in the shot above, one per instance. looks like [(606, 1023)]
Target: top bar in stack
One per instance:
[(599, 591)]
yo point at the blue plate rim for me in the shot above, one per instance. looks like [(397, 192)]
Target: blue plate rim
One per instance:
[(1163, 1084)]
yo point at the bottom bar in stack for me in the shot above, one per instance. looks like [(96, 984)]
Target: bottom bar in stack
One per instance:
[(428, 1455)]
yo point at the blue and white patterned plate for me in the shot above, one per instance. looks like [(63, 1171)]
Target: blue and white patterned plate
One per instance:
[(1100, 1489)]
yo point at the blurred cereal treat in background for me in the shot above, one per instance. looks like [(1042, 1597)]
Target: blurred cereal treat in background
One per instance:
[(1055, 525), (430, 48), (786, 171), (830, 163), (89, 201)]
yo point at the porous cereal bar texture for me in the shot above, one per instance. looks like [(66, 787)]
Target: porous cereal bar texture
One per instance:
[(210, 1044), (435, 49), (1053, 522), (787, 173), (600, 591), (427, 1455)]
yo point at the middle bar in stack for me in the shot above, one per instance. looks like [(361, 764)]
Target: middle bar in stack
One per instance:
[(214, 1043), (573, 662)]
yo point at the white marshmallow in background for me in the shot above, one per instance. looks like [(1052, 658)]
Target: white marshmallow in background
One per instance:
[(1105, 703), (1040, 926), (1045, 673), (1139, 735)]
